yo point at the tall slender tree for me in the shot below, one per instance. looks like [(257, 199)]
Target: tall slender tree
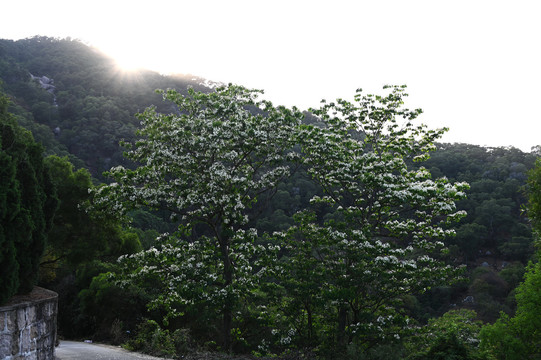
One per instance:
[(27, 206)]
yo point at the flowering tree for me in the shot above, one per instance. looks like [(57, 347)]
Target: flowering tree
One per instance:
[(339, 281), (207, 163), (384, 238)]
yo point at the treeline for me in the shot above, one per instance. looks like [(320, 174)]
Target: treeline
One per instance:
[(91, 108)]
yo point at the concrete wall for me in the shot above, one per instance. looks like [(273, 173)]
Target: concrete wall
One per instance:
[(28, 326)]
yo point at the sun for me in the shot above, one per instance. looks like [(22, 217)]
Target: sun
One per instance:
[(134, 54), (135, 58), (127, 59), (127, 55)]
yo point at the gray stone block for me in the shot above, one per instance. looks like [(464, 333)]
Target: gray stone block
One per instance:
[(32, 356), (34, 330), (31, 315), (15, 344), (49, 309), (11, 320), (9, 344), (21, 318), (5, 344), (41, 327)]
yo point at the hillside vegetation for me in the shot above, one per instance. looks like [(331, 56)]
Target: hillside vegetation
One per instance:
[(76, 101), (246, 227)]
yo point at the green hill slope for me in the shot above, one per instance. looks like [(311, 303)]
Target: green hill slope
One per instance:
[(76, 101)]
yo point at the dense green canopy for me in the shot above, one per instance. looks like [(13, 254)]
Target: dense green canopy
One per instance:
[(27, 206)]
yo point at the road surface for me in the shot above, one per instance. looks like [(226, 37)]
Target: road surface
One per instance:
[(72, 350)]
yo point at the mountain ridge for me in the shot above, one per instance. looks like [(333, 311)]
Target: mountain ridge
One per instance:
[(76, 101)]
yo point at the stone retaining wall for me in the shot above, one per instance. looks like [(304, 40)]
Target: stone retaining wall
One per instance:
[(28, 326)]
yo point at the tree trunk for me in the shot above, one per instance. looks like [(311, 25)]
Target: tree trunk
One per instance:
[(341, 336), (227, 309), (309, 312)]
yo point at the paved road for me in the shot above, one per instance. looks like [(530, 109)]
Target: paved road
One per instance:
[(72, 350)]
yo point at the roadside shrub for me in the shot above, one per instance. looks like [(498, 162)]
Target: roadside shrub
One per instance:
[(118, 334), (182, 341), (152, 339)]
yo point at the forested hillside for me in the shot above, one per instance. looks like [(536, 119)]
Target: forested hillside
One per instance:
[(76, 101), (275, 203)]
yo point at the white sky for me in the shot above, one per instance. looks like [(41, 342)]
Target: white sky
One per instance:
[(473, 66)]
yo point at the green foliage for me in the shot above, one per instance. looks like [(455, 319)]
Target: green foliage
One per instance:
[(91, 104), (494, 222), (78, 235), (384, 239), (338, 284), (208, 164), (130, 243), (517, 248), (513, 274), (71, 222), (534, 190), (489, 291), (518, 337), (495, 232), (184, 279), (152, 339), (382, 351), (454, 335), (448, 347), (104, 304), (89, 304), (27, 206), (470, 238)]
